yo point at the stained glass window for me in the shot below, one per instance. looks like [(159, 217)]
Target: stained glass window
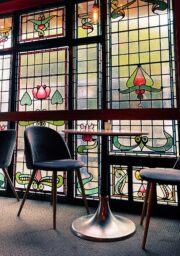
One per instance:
[(142, 75), (42, 85), (87, 149), (166, 194), (119, 186), (85, 26), (161, 138), (139, 186), (87, 77), (5, 72), (42, 24), (5, 33), (3, 181), (5, 91), (142, 70)]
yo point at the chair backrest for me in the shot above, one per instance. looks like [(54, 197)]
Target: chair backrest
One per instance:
[(44, 144), (7, 144)]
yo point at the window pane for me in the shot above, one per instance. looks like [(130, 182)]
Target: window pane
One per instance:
[(142, 74), (5, 73), (85, 25), (87, 78), (142, 71), (42, 25), (5, 33), (42, 86)]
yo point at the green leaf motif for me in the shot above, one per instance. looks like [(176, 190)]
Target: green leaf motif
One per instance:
[(26, 123), (57, 98), (56, 123), (1, 180), (26, 100)]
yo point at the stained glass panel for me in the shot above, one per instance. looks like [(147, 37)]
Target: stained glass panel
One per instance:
[(139, 186), (119, 183), (85, 25), (166, 194), (142, 72), (142, 63), (160, 140), (87, 77), (5, 33), (86, 149), (142, 75), (42, 25), (5, 72), (42, 85), (3, 181), (5, 91)]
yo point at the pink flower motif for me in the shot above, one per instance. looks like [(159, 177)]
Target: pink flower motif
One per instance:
[(38, 176), (2, 127), (87, 127), (41, 92)]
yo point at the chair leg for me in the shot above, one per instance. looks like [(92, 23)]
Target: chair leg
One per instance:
[(150, 199), (10, 183), (145, 204), (52, 190), (26, 193), (82, 190), (54, 194)]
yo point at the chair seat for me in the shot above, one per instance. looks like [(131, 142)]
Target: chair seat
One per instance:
[(56, 165), (161, 175)]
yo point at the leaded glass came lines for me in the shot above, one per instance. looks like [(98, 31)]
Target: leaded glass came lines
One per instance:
[(42, 25), (42, 86)]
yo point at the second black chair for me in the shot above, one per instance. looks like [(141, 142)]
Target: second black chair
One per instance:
[(45, 149), (162, 176), (7, 144)]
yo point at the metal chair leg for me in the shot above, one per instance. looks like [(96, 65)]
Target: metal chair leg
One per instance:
[(54, 194), (82, 190), (145, 204), (10, 183), (149, 208), (26, 193)]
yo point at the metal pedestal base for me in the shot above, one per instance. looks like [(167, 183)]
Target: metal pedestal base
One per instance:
[(103, 225)]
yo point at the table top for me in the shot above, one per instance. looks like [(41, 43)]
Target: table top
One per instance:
[(104, 132)]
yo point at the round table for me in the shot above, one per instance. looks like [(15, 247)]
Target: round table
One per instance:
[(103, 225)]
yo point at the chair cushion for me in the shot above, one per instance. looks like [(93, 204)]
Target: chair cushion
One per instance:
[(57, 165), (161, 175)]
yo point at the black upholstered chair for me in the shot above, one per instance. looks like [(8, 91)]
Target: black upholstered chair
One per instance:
[(7, 144), (167, 176), (45, 149)]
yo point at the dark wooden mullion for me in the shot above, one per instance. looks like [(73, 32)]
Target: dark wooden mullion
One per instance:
[(130, 183), (69, 37), (103, 5), (105, 141), (176, 6), (37, 45), (13, 88), (92, 114)]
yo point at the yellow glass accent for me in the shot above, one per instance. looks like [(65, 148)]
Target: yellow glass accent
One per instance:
[(144, 46), (123, 48), (144, 57), (155, 56)]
